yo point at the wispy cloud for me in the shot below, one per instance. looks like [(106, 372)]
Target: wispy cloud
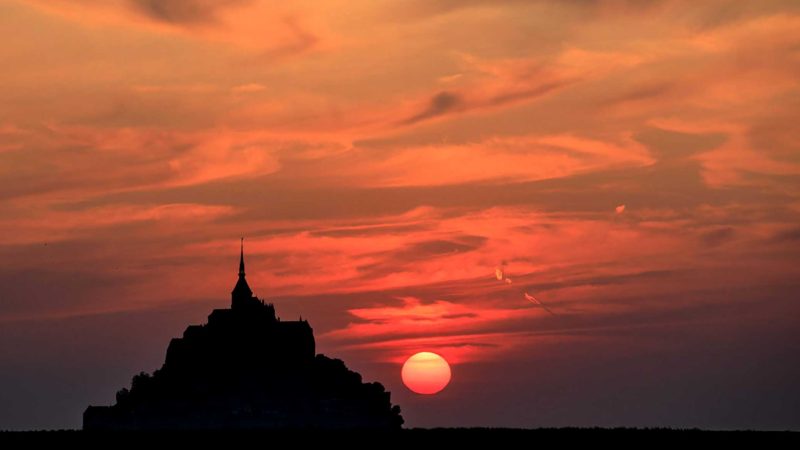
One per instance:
[(184, 11)]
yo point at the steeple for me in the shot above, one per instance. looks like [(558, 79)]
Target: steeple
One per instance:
[(241, 260), (241, 294)]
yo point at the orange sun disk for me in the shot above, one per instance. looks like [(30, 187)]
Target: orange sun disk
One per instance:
[(426, 373)]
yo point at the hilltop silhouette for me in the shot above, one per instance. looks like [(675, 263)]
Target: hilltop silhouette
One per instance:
[(247, 369)]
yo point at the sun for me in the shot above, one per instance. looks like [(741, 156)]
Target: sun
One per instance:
[(426, 373)]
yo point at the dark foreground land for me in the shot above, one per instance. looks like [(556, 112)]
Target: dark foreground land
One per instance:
[(410, 439)]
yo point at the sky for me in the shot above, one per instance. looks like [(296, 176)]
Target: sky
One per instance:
[(406, 173)]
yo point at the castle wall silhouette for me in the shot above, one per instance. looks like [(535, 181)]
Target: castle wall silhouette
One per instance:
[(247, 369)]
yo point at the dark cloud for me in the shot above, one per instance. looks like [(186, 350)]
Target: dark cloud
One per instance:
[(791, 235), (420, 9), (460, 316), (373, 230), (441, 247), (441, 103), (446, 102), (717, 237), (392, 261), (525, 94), (184, 12), (639, 93), (536, 228), (601, 280), (718, 14), (301, 40), (464, 344), (671, 145)]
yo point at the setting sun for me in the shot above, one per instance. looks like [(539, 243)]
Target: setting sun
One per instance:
[(426, 373)]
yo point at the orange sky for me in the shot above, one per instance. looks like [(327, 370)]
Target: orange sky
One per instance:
[(383, 159)]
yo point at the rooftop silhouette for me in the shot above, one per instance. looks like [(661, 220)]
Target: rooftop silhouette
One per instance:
[(247, 369)]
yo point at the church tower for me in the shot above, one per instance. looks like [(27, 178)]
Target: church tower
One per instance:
[(242, 295)]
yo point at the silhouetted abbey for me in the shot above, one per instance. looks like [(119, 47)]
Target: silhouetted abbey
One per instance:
[(247, 369)]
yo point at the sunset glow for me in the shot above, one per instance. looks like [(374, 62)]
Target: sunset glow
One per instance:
[(426, 373), (590, 208)]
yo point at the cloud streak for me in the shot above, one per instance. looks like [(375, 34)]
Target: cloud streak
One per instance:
[(184, 11)]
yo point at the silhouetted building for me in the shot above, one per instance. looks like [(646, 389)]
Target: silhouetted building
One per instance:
[(247, 369)]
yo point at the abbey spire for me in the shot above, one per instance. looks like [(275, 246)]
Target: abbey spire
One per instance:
[(241, 295), (241, 260)]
